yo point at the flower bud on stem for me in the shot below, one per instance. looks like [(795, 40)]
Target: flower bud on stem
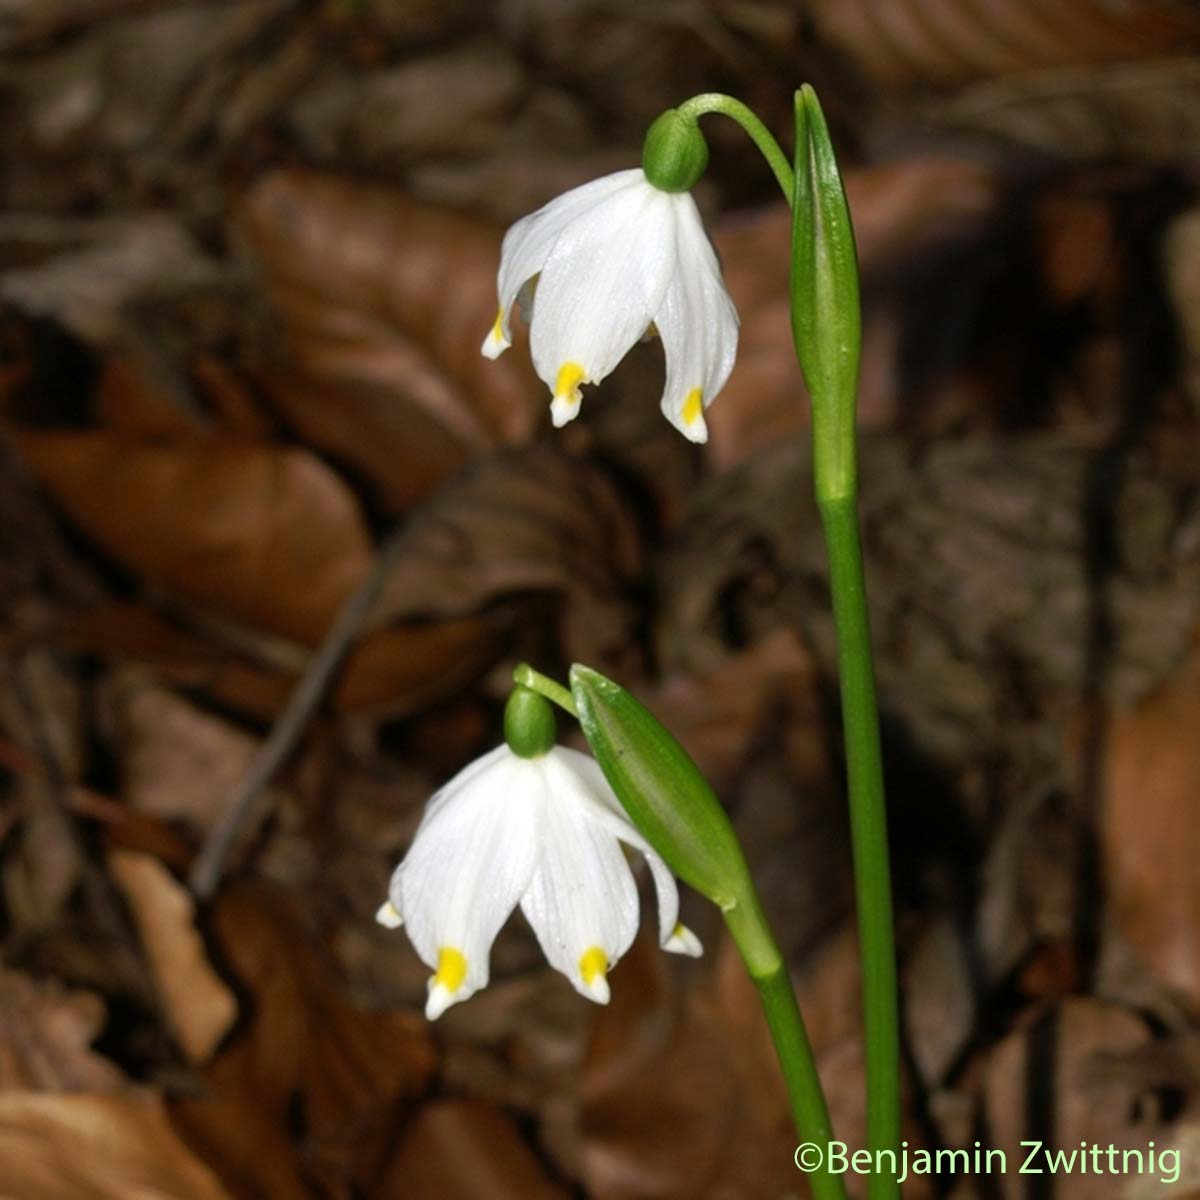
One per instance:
[(669, 800), (826, 325)]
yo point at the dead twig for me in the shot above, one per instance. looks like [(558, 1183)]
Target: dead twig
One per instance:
[(291, 723)]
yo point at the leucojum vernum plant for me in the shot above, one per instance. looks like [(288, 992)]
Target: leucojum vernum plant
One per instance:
[(542, 826)]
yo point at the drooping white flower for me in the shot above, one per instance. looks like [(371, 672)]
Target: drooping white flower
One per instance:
[(610, 259), (546, 833)]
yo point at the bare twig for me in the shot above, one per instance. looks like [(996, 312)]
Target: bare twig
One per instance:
[(291, 723)]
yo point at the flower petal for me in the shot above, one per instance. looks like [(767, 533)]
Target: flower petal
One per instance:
[(602, 806), (582, 902), (698, 324), (599, 289), (472, 858), (528, 243), (684, 941)]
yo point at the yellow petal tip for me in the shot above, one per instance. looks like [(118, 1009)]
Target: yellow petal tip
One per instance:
[(593, 969)]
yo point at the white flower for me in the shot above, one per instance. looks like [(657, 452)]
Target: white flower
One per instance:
[(611, 258), (545, 832)]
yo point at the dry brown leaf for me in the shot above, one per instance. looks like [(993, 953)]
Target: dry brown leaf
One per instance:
[(665, 1113), (88, 1147), (128, 402), (264, 534), (307, 1066), (1040, 1083), (720, 715), (104, 266), (465, 1150), (1181, 258), (401, 669), (400, 450), (454, 104), (682, 1092), (1136, 110), (178, 762), (376, 287), (1150, 829), (45, 1039), (943, 42), (525, 522), (396, 671), (198, 1006)]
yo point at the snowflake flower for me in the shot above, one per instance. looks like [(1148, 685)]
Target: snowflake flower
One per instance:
[(611, 259), (544, 832)]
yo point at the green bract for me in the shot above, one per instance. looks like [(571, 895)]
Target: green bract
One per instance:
[(529, 726), (675, 153), (826, 320), (661, 789)]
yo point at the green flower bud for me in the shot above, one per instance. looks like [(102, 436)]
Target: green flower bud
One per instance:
[(826, 320), (662, 790), (529, 726), (675, 153)]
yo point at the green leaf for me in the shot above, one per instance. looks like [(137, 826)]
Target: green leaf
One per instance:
[(661, 789)]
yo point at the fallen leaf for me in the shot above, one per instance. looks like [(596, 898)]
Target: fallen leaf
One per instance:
[(519, 523), (903, 43), (198, 1006), (376, 287), (46, 1038), (465, 1150), (264, 534), (1181, 259), (309, 1093), (88, 1147), (682, 1090), (1137, 109), (95, 269), (1150, 828), (178, 762), (1038, 1083), (400, 450)]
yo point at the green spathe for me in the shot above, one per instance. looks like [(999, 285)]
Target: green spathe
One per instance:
[(675, 153), (661, 789), (826, 317), (529, 726)]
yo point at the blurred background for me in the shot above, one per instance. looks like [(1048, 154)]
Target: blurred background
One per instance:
[(247, 256)]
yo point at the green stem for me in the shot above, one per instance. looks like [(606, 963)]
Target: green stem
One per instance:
[(868, 828), (760, 135), (767, 969), (827, 327), (535, 681)]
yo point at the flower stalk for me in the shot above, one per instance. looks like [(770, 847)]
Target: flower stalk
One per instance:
[(826, 325)]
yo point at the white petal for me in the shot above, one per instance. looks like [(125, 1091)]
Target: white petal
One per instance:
[(528, 243), (604, 279), (698, 324), (684, 941), (389, 916), (582, 902), (472, 858), (601, 805)]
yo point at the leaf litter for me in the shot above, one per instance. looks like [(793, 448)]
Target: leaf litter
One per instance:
[(239, 370)]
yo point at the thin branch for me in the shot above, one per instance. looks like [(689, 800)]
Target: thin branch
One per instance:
[(314, 684)]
